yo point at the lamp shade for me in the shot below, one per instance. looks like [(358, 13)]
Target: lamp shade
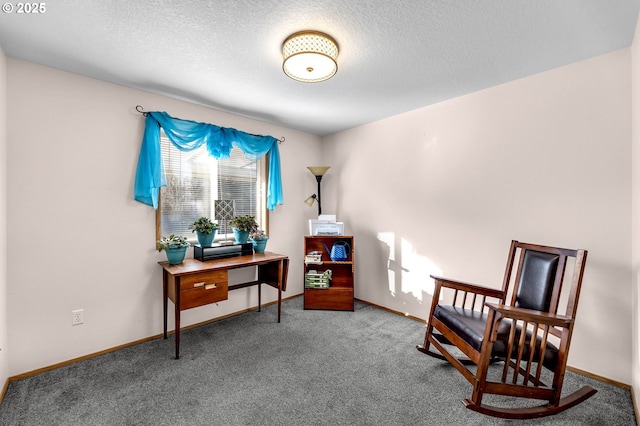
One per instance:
[(310, 200), (310, 56), (318, 170)]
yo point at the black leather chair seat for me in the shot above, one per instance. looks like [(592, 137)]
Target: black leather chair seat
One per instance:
[(470, 325)]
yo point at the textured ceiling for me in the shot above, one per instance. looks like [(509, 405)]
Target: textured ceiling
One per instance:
[(395, 56)]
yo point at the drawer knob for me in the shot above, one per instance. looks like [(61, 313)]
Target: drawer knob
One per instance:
[(209, 286)]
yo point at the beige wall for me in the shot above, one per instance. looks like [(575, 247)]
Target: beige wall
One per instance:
[(635, 212), (4, 354), (444, 189), (78, 239)]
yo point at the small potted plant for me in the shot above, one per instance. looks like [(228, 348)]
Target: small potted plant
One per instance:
[(242, 226), (175, 247), (205, 230), (259, 240)]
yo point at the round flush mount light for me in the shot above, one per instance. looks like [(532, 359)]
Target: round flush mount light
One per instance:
[(310, 56)]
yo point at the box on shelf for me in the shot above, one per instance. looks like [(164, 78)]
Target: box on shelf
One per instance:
[(315, 279), (313, 257)]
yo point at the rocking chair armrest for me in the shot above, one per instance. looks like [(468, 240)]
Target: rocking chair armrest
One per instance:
[(530, 315), (469, 287)]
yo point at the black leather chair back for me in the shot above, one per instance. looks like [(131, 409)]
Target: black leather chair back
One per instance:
[(536, 280)]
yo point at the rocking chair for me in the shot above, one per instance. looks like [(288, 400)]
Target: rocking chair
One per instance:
[(527, 335)]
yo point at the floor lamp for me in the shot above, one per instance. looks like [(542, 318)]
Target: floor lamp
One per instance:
[(318, 172)]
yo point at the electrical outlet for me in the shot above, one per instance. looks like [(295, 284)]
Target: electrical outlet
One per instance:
[(77, 317)]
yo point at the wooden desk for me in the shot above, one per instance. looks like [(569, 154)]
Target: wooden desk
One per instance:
[(194, 283)]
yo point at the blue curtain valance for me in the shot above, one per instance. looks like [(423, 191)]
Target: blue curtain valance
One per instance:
[(188, 135)]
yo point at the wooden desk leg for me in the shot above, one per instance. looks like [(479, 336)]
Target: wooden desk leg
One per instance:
[(165, 296), (280, 278), (259, 296), (279, 302), (177, 317)]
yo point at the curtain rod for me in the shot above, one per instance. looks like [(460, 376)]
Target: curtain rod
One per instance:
[(145, 113)]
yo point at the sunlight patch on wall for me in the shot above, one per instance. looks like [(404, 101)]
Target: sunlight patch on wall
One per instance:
[(408, 271), (388, 238), (417, 271)]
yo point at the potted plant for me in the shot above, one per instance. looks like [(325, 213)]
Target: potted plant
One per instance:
[(259, 240), (175, 246), (242, 226), (205, 230)]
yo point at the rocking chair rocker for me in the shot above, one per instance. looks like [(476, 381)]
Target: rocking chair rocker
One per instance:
[(527, 335)]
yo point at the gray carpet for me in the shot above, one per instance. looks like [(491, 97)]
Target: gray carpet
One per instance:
[(314, 368)]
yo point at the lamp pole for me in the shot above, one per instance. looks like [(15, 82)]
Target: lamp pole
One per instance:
[(319, 178)]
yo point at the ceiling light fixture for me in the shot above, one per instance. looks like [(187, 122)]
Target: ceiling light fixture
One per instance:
[(310, 56)]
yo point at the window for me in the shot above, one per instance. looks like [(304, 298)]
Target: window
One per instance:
[(195, 180)]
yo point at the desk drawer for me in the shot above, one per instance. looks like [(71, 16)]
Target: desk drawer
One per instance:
[(203, 294), (188, 282)]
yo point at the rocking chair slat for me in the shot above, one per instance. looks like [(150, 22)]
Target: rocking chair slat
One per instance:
[(532, 352), (520, 352), (543, 349), (512, 336)]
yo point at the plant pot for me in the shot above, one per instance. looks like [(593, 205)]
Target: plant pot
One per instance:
[(175, 255), (204, 239), (241, 236), (259, 245)]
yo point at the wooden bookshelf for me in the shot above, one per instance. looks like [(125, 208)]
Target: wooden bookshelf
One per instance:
[(340, 295)]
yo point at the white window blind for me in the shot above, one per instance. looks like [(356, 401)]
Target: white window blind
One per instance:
[(195, 180)]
